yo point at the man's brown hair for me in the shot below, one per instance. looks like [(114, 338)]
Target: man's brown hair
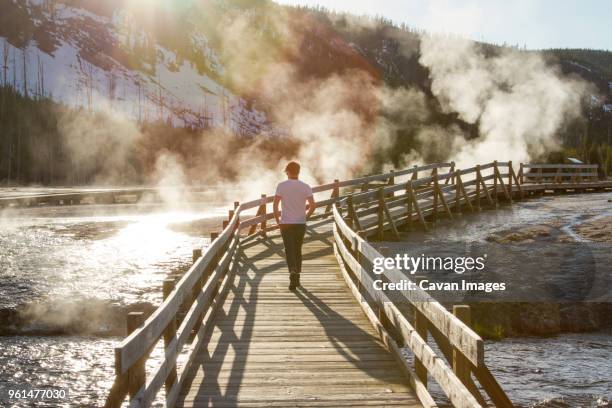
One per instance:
[(293, 168)]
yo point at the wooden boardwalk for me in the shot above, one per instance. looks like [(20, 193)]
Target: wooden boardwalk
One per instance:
[(248, 341), (312, 347)]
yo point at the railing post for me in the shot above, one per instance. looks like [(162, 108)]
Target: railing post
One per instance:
[(539, 179), (495, 174), (349, 210), (438, 193), (510, 180), (434, 214), (335, 194), (136, 373), (390, 182), (452, 171), (197, 253), (213, 261), (420, 325), (365, 186), (478, 185), (457, 192), (381, 214), (409, 198), (521, 174), (264, 210), (169, 334), (466, 198), (460, 363)]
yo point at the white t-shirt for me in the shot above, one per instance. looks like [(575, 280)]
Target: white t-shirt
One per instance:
[(293, 194)]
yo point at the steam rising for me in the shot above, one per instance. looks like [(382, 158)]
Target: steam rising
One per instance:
[(100, 142), (336, 124), (518, 102), (170, 177)]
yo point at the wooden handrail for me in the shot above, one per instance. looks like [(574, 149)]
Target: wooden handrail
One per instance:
[(137, 346), (557, 173), (458, 394), (459, 334), (378, 212), (559, 166), (365, 196)]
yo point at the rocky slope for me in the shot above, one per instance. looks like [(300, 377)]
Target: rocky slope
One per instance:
[(102, 57)]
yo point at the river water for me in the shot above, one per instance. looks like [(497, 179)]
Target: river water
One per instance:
[(563, 370), (68, 275)]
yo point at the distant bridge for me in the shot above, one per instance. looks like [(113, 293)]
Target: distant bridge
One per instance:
[(92, 195), (233, 335)]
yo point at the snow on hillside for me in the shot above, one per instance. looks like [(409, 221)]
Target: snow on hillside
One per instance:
[(80, 70)]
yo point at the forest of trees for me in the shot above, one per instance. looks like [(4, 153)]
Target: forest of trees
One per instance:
[(39, 144), (30, 143), (34, 148)]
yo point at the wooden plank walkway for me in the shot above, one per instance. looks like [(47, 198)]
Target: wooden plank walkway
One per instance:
[(266, 346), (312, 347)]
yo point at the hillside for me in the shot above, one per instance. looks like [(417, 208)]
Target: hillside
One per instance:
[(235, 68), (101, 56)]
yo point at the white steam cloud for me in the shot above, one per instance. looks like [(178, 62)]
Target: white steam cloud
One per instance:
[(337, 123), (518, 101), (99, 143)]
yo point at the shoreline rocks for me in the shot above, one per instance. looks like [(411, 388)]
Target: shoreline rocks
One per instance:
[(500, 320), (597, 230)]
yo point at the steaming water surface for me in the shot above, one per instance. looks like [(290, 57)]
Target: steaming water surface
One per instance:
[(68, 268), (68, 275)]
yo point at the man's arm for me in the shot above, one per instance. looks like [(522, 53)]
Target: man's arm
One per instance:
[(311, 206), (277, 213)]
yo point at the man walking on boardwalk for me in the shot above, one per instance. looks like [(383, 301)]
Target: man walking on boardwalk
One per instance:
[(293, 195)]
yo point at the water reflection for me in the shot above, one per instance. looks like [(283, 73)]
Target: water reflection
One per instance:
[(114, 257), (76, 271)]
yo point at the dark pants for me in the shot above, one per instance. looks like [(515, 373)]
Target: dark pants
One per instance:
[(293, 237)]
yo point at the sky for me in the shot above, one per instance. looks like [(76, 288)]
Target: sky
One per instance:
[(535, 24)]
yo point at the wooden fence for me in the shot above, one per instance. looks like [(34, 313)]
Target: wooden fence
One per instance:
[(460, 345), (557, 173), (371, 205)]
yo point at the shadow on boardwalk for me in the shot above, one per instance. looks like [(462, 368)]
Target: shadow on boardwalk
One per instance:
[(273, 347)]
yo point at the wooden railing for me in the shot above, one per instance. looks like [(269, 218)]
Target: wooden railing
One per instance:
[(557, 173), (200, 292), (373, 205), (259, 223), (462, 347), (440, 192)]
